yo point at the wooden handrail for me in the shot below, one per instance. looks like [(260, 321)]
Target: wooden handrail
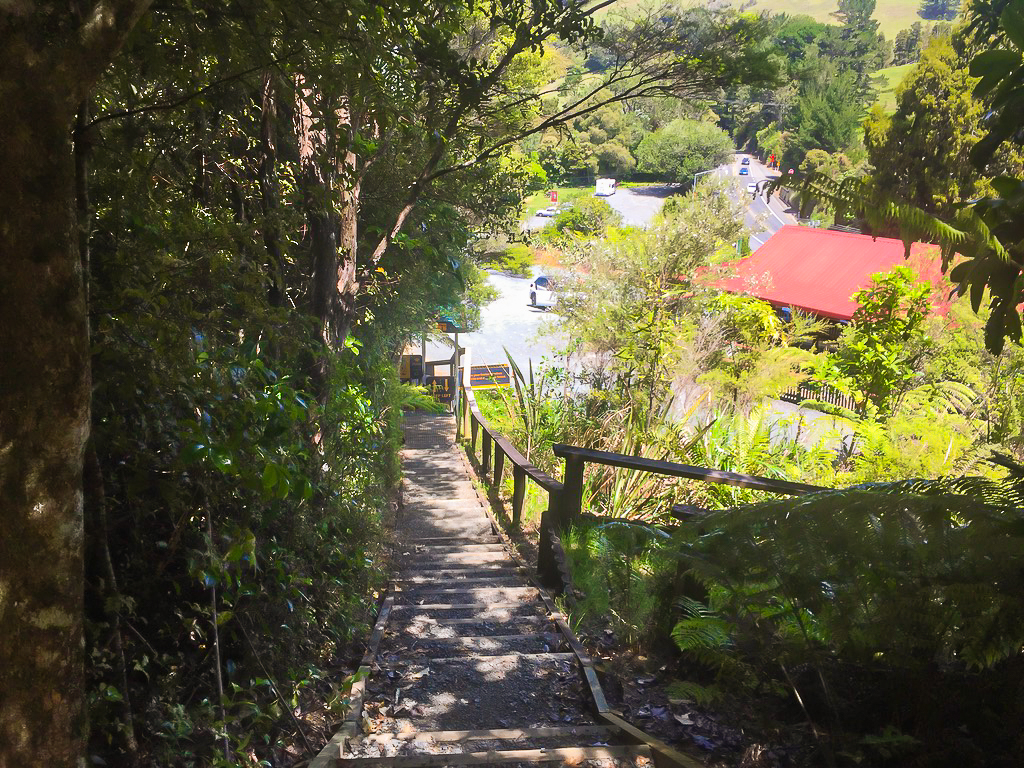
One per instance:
[(539, 476), (565, 499), (672, 469)]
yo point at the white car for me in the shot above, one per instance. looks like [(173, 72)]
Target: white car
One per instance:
[(752, 188), (551, 210), (542, 292)]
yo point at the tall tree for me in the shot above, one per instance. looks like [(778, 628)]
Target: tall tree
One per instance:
[(50, 58), (921, 153)]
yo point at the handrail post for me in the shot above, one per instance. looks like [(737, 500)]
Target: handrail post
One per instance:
[(486, 450), (473, 424), (499, 464), (518, 493), (571, 502)]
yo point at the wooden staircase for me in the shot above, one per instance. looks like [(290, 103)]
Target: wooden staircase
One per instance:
[(470, 662)]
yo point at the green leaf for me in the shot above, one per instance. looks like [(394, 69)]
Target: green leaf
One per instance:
[(1012, 22), (110, 693), (992, 67), (1007, 186), (224, 617), (193, 453), (269, 477)]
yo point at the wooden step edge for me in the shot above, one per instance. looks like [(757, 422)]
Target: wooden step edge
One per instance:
[(455, 546), (460, 638), (497, 734), (509, 567), (664, 754), (431, 590), (564, 755), (426, 581), (534, 618), (491, 539), (481, 606), (539, 658)]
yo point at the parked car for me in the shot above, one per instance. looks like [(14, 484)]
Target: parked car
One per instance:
[(551, 210), (745, 161), (542, 292), (744, 171)]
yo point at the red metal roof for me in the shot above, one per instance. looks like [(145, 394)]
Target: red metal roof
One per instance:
[(819, 270)]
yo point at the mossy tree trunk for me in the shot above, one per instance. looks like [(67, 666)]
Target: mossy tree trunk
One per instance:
[(50, 57)]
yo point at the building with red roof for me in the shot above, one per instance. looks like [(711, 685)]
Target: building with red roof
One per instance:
[(818, 270)]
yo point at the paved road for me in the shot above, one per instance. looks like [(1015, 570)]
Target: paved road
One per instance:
[(638, 205), (762, 218), (509, 321)]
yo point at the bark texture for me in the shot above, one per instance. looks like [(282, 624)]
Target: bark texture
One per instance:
[(44, 381), (50, 58)]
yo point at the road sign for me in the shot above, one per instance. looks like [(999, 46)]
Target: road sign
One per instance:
[(489, 376), (554, 195), (442, 388)]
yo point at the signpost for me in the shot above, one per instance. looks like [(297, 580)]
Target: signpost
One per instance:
[(447, 324), (489, 376), (442, 388)]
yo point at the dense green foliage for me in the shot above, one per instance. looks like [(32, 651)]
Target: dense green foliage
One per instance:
[(272, 200), (682, 148)]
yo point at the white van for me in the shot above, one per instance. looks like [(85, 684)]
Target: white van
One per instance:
[(605, 187)]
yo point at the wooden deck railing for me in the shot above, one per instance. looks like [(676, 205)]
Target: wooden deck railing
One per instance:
[(565, 499)]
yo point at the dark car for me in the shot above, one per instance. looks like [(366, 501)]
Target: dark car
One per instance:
[(746, 161)]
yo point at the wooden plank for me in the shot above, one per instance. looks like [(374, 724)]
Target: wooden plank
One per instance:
[(673, 469), (661, 753), (378, 630), (528, 619), (565, 755), (496, 579), (511, 590), (438, 547), (329, 756), (356, 695), (497, 734), (538, 658), (462, 606), (483, 539), (470, 639)]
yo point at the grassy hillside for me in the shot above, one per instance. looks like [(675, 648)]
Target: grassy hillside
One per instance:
[(890, 78), (892, 15)]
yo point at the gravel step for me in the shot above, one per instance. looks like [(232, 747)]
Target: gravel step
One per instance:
[(442, 540), (429, 626), (443, 548), (464, 595), (610, 756), (411, 647)]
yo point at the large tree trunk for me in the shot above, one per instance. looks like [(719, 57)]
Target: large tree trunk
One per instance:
[(50, 57), (44, 424)]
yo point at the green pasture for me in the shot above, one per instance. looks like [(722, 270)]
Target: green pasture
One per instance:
[(889, 79), (892, 15)]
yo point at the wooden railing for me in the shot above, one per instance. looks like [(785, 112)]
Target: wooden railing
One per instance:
[(822, 393), (565, 499)]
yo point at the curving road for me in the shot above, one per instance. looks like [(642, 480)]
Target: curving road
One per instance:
[(762, 218)]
